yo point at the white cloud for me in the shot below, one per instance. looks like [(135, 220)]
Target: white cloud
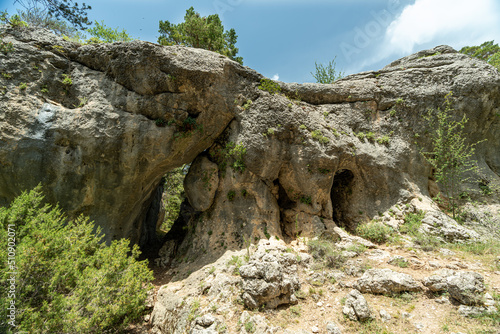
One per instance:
[(443, 21), (276, 77), (428, 23)]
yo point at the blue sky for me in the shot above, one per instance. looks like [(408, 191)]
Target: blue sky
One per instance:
[(282, 39)]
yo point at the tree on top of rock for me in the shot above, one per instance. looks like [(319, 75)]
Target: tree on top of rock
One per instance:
[(69, 10), (205, 32), (487, 51)]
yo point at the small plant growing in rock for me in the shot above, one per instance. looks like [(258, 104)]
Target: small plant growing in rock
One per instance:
[(326, 253), (302, 127), (23, 86), (370, 136), (250, 327), (230, 195), (317, 135), (374, 231), (44, 89), (160, 122), (306, 200), (67, 81), (247, 105), (383, 140), (412, 223), (269, 86), (270, 131), (237, 262), (83, 102), (6, 75)]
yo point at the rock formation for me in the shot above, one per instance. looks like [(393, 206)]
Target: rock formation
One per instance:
[(99, 125)]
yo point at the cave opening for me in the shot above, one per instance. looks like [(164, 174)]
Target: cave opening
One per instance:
[(167, 205), (341, 195)]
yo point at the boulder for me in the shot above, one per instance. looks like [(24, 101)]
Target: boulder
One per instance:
[(386, 281), (201, 183), (440, 224), (269, 280), (438, 282), (332, 328), (466, 287), (356, 308)]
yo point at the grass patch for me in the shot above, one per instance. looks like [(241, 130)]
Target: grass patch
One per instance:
[(325, 253), (413, 221), (374, 231)]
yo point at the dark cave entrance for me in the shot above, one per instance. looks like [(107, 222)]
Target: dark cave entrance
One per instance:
[(341, 195)]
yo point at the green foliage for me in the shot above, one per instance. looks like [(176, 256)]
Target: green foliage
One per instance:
[(103, 34), (374, 231), (450, 155), (15, 20), (67, 81), (306, 200), (318, 135), (173, 195), (23, 86), (5, 47), (326, 253), (413, 221), (327, 74), (237, 262), (160, 122), (231, 154), (247, 105), (39, 17), (67, 280), (370, 136), (383, 140), (68, 10), (193, 312), (269, 86), (302, 127), (205, 32), (488, 51), (230, 195), (250, 327)]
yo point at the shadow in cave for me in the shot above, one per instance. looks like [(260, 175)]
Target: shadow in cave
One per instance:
[(341, 196)]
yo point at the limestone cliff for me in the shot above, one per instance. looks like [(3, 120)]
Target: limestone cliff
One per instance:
[(286, 164)]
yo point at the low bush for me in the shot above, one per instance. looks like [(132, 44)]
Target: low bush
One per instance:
[(374, 231), (66, 279), (325, 253)]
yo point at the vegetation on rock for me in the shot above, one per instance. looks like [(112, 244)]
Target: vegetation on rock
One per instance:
[(488, 51), (205, 32), (450, 156), (327, 74)]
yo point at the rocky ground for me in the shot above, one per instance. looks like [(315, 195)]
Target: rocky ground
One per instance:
[(333, 284)]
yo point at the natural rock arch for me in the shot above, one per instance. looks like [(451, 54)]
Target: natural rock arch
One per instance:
[(149, 109)]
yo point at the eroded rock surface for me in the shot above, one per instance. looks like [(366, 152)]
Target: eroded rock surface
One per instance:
[(356, 308), (386, 281), (298, 163)]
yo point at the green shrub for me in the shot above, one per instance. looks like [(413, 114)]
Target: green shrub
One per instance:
[(412, 223), (66, 80), (68, 280), (269, 86), (374, 231), (383, 140), (250, 327), (325, 252)]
